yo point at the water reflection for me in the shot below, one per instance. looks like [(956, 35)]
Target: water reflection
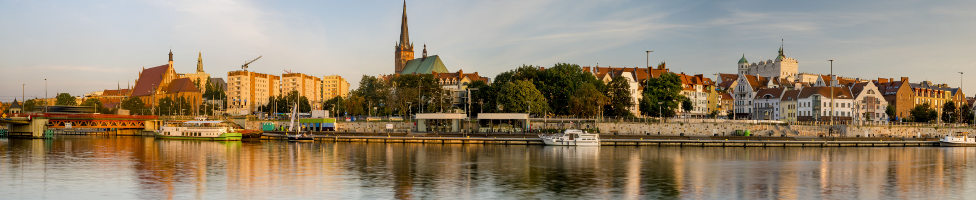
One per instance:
[(145, 168)]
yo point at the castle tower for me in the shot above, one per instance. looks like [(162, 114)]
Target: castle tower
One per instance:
[(403, 51), (200, 62), (743, 65)]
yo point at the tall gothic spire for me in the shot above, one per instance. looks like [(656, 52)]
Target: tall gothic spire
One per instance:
[(404, 36), (200, 62), (171, 55)]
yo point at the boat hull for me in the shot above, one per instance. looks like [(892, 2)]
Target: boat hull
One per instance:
[(221, 137), (571, 143), (956, 144)]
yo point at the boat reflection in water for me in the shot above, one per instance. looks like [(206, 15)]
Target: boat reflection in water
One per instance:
[(88, 167)]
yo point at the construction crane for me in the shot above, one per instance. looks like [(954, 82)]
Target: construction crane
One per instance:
[(249, 62)]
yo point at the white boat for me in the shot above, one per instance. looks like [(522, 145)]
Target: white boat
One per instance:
[(959, 139), (571, 137), (198, 130)]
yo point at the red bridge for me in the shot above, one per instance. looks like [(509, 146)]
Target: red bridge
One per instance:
[(84, 120)]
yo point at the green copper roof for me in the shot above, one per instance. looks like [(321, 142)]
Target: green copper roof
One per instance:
[(424, 66), (743, 59)]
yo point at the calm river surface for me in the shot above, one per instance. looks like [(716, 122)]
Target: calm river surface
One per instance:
[(102, 167)]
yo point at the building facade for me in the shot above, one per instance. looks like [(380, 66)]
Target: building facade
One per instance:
[(334, 86), (869, 103), (782, 66), (788, 105), (247, 90), (766, 105), (818, 104), (307, 86)]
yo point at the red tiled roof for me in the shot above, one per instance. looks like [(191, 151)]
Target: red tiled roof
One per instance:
[(774, 93), (149, 80), (181, 85), (839, 92), (790, 95), (726, 96), (119, 92), (858, 87)]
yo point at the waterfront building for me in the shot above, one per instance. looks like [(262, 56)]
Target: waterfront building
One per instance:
[(814, 104), (725, 105), (782, 66), (869, 104), (334, 86), (787, 105), (635, 77), (714, 99), (199, 78), (745, 92), (247, 90), (161, 82), (936, 95), (766, 105), (456, 84), (727, 82), (403, 50), (898, 94), (695, 88), (307, 86)]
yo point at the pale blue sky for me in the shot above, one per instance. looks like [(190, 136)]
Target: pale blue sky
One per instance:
[(84, 46)]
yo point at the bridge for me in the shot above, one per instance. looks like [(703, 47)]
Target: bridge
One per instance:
[(36, 125)]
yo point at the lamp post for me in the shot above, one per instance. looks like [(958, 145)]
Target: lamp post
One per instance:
[(660, 113), (832, 96), (648, 58)]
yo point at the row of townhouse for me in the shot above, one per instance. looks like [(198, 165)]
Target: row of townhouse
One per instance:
[(904, 95), (774, 98)]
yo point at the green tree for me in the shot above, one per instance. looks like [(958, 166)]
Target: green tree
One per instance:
[(482, 99), (949, 112), (687, 105), (890, 111), (336, 106), (661, 96), (618, 90), (29, 106), (966, 114), (586, 101), (65, 99), (97, 104), (135, 106), (521, 96), (355, 105), (923, 113)]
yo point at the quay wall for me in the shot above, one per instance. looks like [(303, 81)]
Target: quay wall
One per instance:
[(688, 128)]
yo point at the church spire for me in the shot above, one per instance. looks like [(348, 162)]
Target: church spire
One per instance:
[(200, 62), (404, 36), (171, 55), (781, 55)]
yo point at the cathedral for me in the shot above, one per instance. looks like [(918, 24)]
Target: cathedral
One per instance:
[(403, 51)]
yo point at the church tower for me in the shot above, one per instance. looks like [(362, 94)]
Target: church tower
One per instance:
[(403, 51), (200, 62), (170, 58)]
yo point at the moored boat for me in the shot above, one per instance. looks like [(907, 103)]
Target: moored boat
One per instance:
[(959, 139), (571, 137), (198, 130)]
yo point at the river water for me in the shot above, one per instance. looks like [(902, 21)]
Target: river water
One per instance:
[(108, 167)]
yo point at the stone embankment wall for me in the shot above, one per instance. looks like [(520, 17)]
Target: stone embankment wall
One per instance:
[(697, 128)]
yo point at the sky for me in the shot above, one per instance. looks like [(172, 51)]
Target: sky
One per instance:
[(86, 46)]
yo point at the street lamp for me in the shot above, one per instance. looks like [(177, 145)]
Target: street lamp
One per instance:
[(832, 96), (648, 58), (660, 113)]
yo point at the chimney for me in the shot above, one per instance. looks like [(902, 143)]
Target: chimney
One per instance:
[(904, 79)]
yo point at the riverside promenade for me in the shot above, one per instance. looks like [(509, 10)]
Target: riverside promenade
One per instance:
[(525, 139)]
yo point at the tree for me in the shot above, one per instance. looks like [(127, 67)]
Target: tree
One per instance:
[(29, 105), (521, 96), (482, 98), (65, 99), (687, 105), (890, 111), (618, 91), (661, 96), (587, 101), (335, 106), (966, 114), (923, 113), (949, 112), (135, 106), (355, 105), (97, 104)]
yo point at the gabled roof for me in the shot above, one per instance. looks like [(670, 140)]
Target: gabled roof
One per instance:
[(726, 80), (425, 65), (773, 93), (839, 92), (15, 104), (756, 82), (726, 96), (181, 85), (858, 87), (459, 75), (149, 80), (790, 95)]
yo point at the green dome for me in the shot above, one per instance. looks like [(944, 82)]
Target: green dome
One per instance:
[(743, 59)]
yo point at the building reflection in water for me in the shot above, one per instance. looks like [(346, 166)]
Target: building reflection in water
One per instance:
[(142, 167)]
